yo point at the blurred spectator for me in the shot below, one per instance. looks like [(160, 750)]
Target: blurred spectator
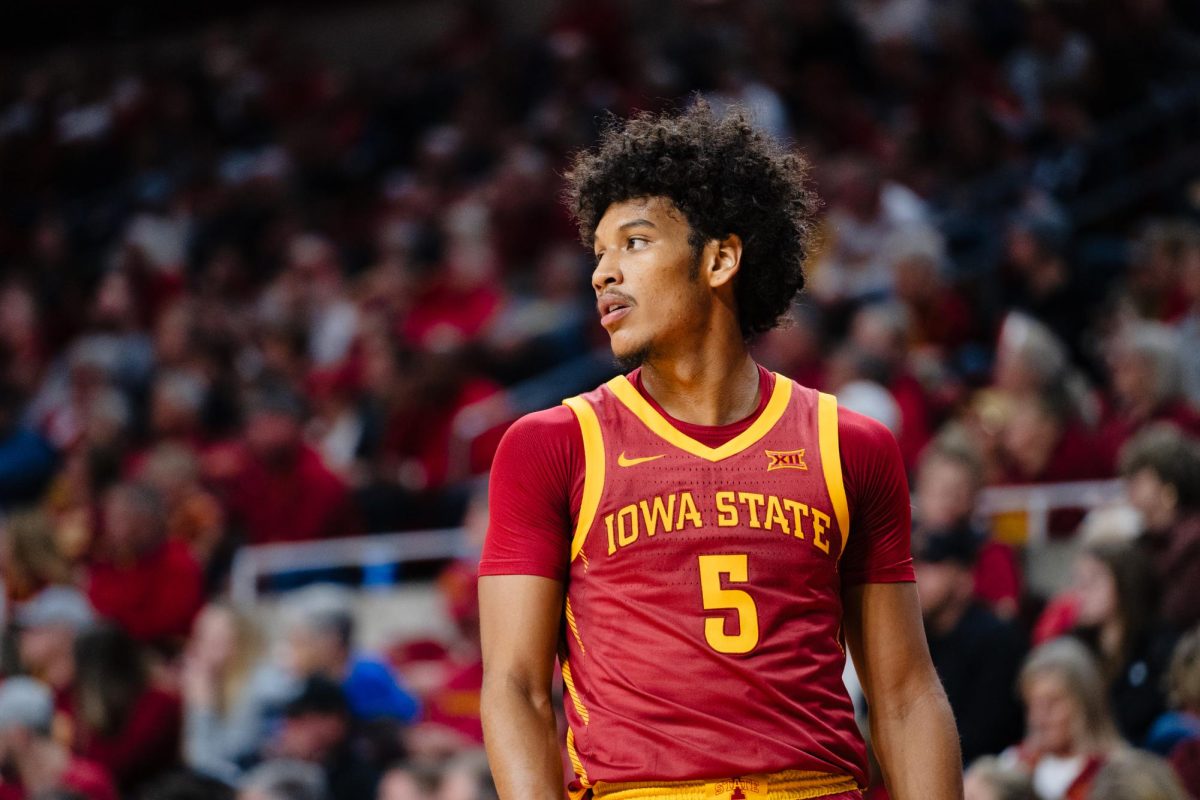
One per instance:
[(988, 779), (945, 494), (865, 210), (1069, 730), (1161, 468), (466, 777), (144, 581), (27, 460), (188, 786), (319, 636), (976, 655), (940, 316), (284, 779), (408, 782), (281, 491), (231, 693), (1155, 285), (1114, 591), (1187, 324), (30, 755), (1134, 775), (318, 729), (1182, 723), (1054, 55), (47, 627), (29, 556), (193, 515), (1145, 366), (122, 722)]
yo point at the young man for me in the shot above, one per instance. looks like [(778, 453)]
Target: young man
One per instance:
[(696, 540)]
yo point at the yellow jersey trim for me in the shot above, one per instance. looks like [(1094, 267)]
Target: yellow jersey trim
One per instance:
[(831, 463), (786, 785), (632, 399), (593, 473)]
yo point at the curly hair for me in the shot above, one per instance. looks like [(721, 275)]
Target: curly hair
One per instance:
[(726, 178)]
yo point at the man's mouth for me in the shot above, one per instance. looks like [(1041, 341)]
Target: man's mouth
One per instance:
[(613, 308)]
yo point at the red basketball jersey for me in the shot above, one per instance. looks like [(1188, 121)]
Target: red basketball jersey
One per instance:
[(703, 612)]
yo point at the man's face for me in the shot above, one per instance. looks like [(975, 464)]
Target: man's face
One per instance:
[(649, 293), (945, 493)]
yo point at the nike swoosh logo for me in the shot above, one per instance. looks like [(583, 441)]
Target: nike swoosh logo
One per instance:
[(629, 462)]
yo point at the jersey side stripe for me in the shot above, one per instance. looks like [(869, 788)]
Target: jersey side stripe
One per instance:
[(831, 463), (593, 475)]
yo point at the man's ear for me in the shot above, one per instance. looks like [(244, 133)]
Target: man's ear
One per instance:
[(726, 260)]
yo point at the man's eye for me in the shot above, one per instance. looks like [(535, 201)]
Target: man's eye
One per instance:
[(599, 256), (636, 243)]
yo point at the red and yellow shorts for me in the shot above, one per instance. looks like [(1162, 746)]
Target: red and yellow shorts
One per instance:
[(786, 785)]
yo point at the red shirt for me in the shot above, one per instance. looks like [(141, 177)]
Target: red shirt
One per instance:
[(718, 568), (156, 597), (297, 503)]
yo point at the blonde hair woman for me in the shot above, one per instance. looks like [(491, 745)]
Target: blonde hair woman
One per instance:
[(229, 691), (1069, 730)]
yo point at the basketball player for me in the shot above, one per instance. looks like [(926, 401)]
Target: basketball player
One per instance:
[(697, 540)]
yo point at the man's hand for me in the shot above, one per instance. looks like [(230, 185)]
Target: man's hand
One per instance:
[(520, 617)]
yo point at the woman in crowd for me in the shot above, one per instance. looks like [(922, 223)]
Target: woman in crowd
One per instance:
[(1069, 730), (1113, 587), (229, 691), (122, 722)]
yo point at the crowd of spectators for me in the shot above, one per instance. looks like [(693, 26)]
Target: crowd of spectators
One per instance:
[(251, 293)]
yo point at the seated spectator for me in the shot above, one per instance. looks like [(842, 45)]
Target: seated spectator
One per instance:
[(1161, 469), (1114, 598), (948, 481), (284, 779), (467, 777), (988, 779), (27, 460), (33, 761), (1135, 775), (281, 490), (1183, 690), (193, 515), (976, 654), (148, 584), (230, 693), (1145, 369), (1069, 730), (319, 640), (318, 729), (121, 721), (1045, 441), (29, 556), (47, 627)]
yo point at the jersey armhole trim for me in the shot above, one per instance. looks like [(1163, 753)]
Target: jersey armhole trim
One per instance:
[(593, 470), (831, 463)]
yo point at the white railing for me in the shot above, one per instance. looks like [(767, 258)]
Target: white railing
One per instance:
[(1038, 501), (383, 550), (389, 549)]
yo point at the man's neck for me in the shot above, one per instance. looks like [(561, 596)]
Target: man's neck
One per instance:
[(704, 388)]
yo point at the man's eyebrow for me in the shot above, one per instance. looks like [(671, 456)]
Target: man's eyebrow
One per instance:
[(633, 223)]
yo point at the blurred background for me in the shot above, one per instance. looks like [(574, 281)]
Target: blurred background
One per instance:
[(275, 280)]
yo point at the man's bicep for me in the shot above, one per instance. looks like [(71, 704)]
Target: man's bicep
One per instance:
[(519, 617), (887, 641)]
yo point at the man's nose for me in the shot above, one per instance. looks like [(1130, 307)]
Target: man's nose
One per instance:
[(606, 273)]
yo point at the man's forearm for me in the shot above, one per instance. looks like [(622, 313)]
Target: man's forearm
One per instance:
[(916, 743), (522, 741)]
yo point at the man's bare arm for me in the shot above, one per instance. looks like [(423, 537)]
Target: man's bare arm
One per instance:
[(519, 619), (912, 727)]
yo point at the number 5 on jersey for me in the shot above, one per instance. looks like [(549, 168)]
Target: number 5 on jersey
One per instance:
[(734, 567)]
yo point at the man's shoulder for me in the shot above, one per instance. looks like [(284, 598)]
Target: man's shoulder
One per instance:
[(554, 421), (857, 430)]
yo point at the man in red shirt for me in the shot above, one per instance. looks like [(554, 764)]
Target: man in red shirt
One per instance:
[(34, 763), (148, 584), (698, 539)]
